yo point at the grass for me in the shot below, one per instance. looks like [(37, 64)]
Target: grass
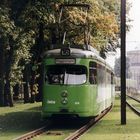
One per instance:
[(111, 129), (19, 119), (23, 118)]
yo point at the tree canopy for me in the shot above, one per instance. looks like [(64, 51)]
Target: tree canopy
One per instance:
[(27, 27)]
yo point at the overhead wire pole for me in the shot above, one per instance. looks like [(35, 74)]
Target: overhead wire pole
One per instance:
[(123, 62)]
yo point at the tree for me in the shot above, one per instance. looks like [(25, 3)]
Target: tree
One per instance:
[(7, 33), (1, 73), (101, 22), (27, 27)]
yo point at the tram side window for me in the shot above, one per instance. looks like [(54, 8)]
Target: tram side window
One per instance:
[(108, 77), (101, 75), (93, 73)]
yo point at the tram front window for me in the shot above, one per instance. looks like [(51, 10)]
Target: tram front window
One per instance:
[(66, 74)]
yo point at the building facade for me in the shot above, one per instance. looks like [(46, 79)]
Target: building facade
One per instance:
[(134, 57)]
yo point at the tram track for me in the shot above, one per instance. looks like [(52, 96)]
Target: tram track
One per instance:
[(75, 135), (133, 108), (80, 131), (136, 111), (133, 98), (87, 126), (34, 133)]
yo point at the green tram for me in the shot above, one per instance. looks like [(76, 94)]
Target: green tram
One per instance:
[(77, 82)]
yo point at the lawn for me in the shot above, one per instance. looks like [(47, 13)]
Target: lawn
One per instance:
[(23, 118), (19, 119), (111, 129)]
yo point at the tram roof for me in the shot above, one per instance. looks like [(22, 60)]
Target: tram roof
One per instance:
[(76, 52)]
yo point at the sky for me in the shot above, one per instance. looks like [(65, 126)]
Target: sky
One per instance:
[(133, 36)]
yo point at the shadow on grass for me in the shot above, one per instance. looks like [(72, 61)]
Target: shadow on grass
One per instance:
[(21, 121), (30, 119)]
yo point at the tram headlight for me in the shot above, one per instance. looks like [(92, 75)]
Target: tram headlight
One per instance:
[(64, 94), (64, 101)]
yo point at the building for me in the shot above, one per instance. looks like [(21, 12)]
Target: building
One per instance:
[(134, 57)]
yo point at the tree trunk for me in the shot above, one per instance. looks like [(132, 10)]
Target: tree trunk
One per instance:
[(16, 91), (40, 69), (32, 86), (1, 73), (40, 83), (26, 77), (9, 93), (8, 62)]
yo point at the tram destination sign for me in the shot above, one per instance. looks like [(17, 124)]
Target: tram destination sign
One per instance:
[(65, 61)]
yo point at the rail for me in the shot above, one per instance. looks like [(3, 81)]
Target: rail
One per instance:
[(133, 108), (90, 124), (74, 136), (133, 98), (31, 134)]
